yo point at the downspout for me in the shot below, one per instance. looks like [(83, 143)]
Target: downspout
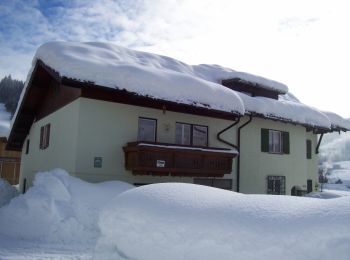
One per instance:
[(224, 130), (319, 143), (239, 147)]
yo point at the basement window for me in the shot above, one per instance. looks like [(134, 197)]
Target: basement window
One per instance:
[(44, 136), (276, 185)]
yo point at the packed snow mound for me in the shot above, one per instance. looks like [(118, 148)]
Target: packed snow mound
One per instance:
[(186, 221), (58, 208), (285, 110), (143, 73), (338, 121), (4, 121), (7, 192)]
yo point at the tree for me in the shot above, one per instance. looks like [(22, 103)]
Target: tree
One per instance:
[(10, 91)]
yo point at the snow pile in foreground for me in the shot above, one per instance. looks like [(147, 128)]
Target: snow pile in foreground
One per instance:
[(4, 120), (7, 192), (186, 221), (58, 208)]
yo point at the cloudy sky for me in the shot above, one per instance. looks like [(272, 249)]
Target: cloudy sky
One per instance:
[(304, 44)]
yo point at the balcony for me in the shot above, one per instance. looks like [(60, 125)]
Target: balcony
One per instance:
[(161, 159)]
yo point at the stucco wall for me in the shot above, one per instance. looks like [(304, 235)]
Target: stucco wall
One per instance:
[(105, 127), (257, 165), (86, 128), (61, 152)]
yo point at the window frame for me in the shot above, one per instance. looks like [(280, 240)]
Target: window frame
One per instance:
[(275, 178), (265, 141), (272, 145), (27, 146), (155, 128), (191, 133), (45, 133)]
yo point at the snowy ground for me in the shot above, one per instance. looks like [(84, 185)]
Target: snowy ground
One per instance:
[(62, 217)]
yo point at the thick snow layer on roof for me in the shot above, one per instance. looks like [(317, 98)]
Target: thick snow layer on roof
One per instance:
[(337, 121), (143, 73), (217, 73), (165, 78), (285, 110), (186, 221), (4, 121)]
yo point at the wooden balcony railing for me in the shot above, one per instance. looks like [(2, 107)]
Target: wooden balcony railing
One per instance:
[(144, 158)]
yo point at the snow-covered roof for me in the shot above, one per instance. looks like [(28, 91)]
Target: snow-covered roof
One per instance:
[(143, 73), (285, 110), (337, 121), (161, 77)]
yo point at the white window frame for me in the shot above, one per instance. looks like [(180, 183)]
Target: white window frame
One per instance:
[(275, 141), (144, 119)]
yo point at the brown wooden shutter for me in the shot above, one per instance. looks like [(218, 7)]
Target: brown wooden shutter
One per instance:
[(47, 139), (265, 140), (308, 149), (41, 145), (285, 142)]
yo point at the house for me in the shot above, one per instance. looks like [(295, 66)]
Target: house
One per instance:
[(103, 112), (9, 163)]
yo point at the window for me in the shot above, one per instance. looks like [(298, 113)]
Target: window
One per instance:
[(188, 134), (225, 184), (44, 136), (276, 185), (308, 149), (147, 129), (273, 141)]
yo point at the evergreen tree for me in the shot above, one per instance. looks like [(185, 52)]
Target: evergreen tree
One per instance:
[(10, 90)]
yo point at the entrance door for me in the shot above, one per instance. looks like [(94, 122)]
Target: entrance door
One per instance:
[(309, 186)]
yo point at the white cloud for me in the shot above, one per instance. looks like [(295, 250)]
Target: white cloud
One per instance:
[(304, 44)]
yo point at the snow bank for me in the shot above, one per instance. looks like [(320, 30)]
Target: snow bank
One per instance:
[(338, 121), (7, 192), (58, 208), (4, 121), (286, 110), (186, 221)]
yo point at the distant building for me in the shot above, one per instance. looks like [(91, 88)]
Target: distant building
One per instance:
[(103, 112), (9, 163)]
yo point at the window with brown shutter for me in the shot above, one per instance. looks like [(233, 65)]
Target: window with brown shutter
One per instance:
[(44, 136)]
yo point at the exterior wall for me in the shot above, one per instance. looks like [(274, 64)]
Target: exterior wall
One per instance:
[(105, 127), (87, 128), (257, 165), (61, 152)]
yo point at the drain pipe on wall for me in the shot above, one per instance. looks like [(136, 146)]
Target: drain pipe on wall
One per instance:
[(224, 130), (239, 147), (319, 143)]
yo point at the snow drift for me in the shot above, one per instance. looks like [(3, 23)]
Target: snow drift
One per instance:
[(7, 192), (58, 208), (186, 221)]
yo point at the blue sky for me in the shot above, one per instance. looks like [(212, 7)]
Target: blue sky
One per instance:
[(304, 44)]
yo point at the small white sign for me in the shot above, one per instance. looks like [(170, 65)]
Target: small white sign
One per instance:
[(160, 163)]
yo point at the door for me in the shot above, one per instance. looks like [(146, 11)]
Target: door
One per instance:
[(309, 186)]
